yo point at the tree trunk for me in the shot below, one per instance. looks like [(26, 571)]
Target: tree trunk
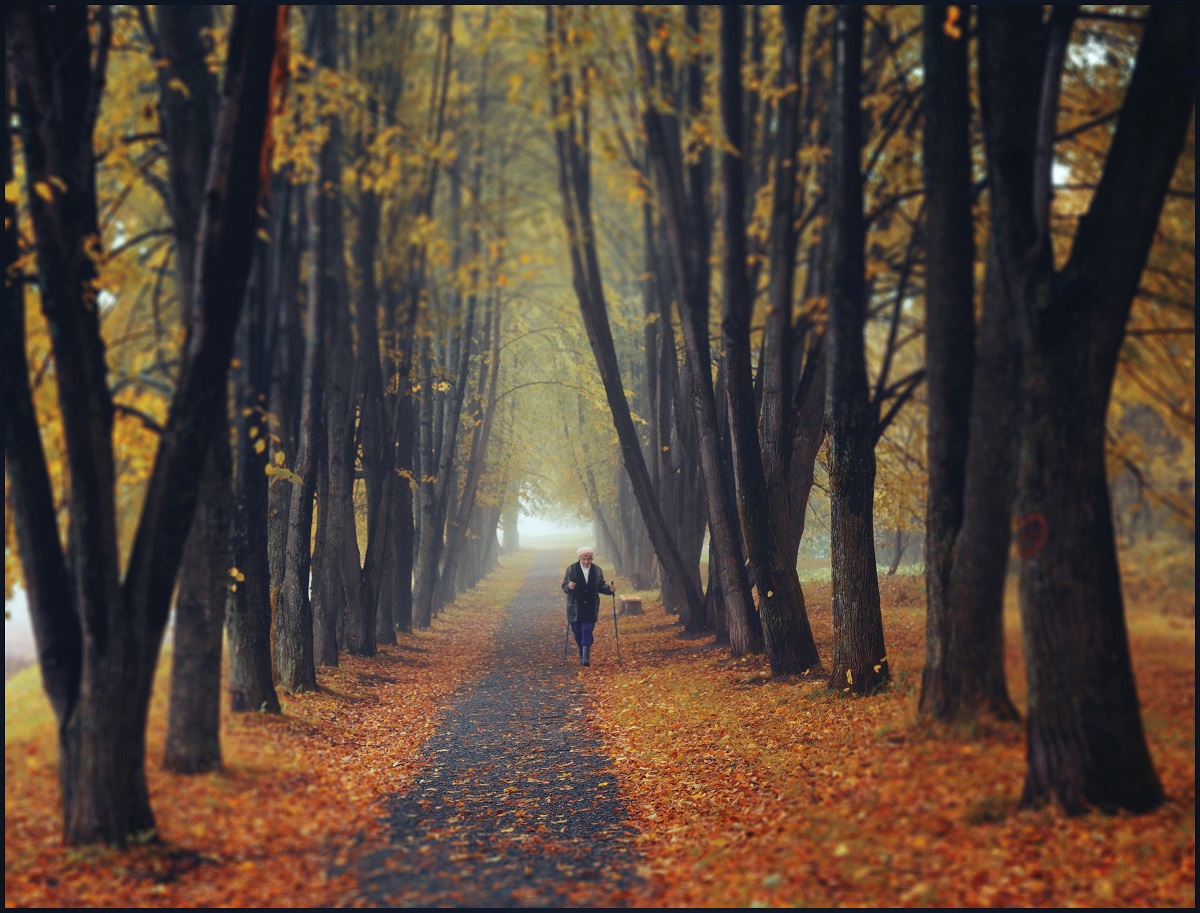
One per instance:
[(287, 379), (676, 475), (193, 743), (575, 186), (402, 517), (973, 423), (459, 514), (337, 579), (425, 568), (248, 610), (859, 658), (786, 632), (292, 628), (1086, 745), (684, 204), (98, 641)]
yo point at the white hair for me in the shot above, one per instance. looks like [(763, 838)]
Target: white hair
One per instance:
[(586, 550)]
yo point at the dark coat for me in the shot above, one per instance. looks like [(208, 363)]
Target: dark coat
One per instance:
[(583, 602)]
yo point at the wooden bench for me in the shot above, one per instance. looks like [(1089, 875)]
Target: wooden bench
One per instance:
[(630, 605)]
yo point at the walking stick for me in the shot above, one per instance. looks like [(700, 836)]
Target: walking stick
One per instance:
[(616, 629)]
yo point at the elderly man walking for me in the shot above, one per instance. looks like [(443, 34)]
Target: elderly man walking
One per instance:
[(583, 583)]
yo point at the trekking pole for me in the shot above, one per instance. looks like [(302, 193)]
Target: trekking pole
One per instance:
[(616, 628), (567, 640)]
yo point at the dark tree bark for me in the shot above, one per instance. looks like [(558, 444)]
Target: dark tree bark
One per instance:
[(787, 635), (375, 584), (292, 623), (972, 420), (482, 416), (337, 568), (438, 496), (792, 425), (484, 419), (102, 632), (571, 144), (375, 587), (676, 475), (438, 432), (287, 373), (410, 422), (248, 610), (683, 201), (1086, 745), (859, 660), (193, 742), (430, 535)]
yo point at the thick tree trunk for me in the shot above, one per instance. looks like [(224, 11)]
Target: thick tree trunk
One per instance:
[(377, 458), (859, 662), (1086, 745), (287, 373), (193, 743), (98, 663)]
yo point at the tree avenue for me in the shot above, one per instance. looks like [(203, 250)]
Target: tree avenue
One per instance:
[(305, 307)]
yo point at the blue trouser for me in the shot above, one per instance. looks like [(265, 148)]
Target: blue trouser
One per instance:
[(582, 631)]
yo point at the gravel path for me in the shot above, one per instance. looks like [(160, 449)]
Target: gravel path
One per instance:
[(517, 807)]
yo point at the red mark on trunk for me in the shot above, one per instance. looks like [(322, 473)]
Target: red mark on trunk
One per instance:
[(1032, 531)]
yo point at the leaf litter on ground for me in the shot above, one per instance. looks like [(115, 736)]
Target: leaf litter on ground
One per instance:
[(752, 792), (299, 797)]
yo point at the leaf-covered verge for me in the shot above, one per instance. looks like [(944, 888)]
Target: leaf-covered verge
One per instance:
[(300, 795), (751, 792)]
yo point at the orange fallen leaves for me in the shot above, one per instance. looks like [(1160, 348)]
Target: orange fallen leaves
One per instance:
[(299, 798), (748, 792)]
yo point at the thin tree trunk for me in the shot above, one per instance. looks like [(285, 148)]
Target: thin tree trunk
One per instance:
[(685, 212), (575, 186), (248, 612)]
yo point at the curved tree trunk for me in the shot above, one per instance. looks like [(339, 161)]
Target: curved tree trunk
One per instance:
[(682, 192), (572, 151)]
